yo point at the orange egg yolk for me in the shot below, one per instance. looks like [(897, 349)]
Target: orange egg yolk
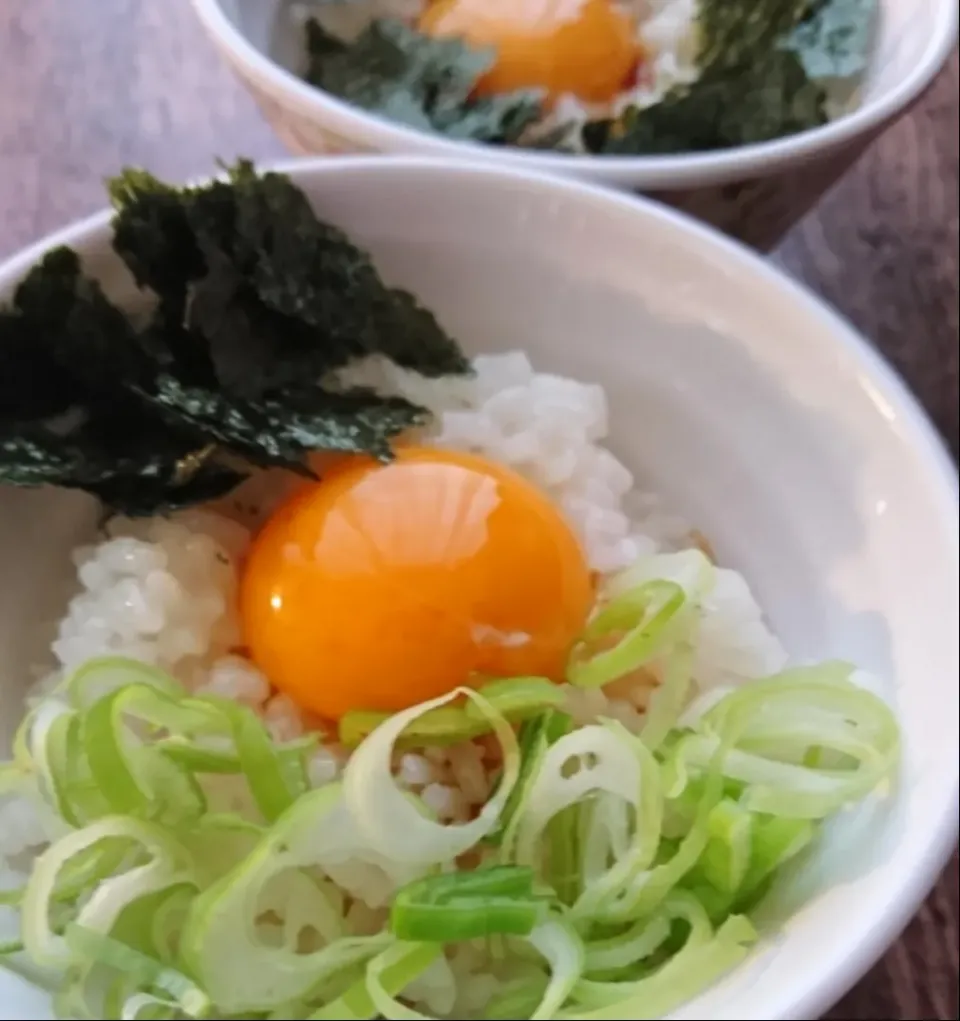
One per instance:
[(586, 48), (385, 585)]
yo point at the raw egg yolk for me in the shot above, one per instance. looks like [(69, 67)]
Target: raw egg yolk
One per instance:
[(385, 585), (587, 48)]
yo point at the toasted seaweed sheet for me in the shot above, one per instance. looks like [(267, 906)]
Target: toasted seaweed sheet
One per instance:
[(764, 68), (405, 76), (253, 301)]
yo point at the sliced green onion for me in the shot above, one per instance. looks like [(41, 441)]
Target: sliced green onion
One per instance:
[(70, 787), (563, 868), (49, 745), (670, 697), (648, 620), (161, 928), (165, 866), (141, 969), (146, 1007), (775, 842), (219, 944), (220, 842), (135, 778), (606, 764), (625, 862), (446, 725), (198, 758), (23, 761), (498, 901), (391, 972), (382, 812), (558, 942), (516, 699), (704, 957), (588, 761), (778, 716), (635, 886), (534, 738), (617, 953), (727, 854), (275, 782), (388, 974), (516, 999), (90, 867)]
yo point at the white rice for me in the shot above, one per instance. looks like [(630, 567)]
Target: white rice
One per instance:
[(163, 591)]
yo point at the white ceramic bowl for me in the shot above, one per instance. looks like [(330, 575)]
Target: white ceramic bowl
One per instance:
[(759, 413), (755, 193)]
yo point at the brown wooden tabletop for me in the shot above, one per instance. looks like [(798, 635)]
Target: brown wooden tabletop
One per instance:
[(87, 86)]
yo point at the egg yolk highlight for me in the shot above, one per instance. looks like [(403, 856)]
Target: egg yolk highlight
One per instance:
[(385, 585), (586, 48)]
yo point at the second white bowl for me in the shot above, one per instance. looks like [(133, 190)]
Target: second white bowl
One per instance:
[(755, 193)]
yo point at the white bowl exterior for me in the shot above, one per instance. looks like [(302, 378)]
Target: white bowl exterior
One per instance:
[(914, 40), (763, 417)]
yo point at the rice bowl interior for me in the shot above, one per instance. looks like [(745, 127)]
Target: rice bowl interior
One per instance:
[(606, 375)]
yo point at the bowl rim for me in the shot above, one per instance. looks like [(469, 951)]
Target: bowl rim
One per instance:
[(922, 440), (667, 172)]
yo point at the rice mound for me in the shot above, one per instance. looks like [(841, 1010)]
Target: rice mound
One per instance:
[(163, 591)]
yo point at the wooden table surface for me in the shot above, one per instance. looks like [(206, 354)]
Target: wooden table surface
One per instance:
[(87, 86)]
